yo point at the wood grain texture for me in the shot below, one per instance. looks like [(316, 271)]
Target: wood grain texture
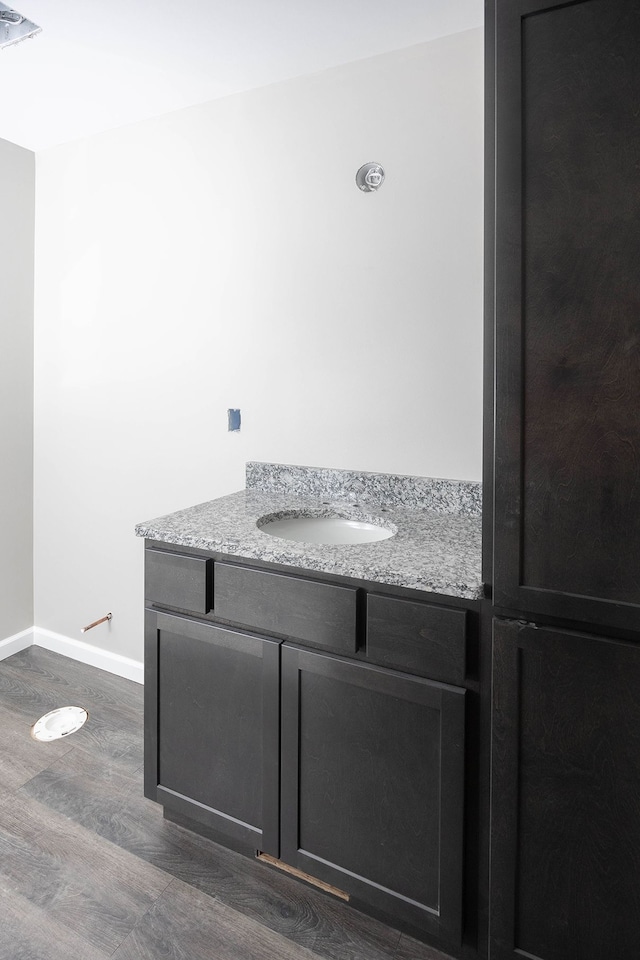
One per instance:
[(318, 613), (26, 933), (303, 915), (22, 757), (73, 875), (565, 822), (294, 872), (358, 799), (421, 638), (567, 293), (582, 289), (372, 787), (85, 810), (218, 693), (70, 677), (504, 788), (410, 949), (79, 786), (114, 734), (176, 580), (210, 733), (187, 924), (27, 700), (63, 887)]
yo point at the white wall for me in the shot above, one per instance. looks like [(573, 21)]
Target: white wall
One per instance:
[(17, 177), (222, 256)]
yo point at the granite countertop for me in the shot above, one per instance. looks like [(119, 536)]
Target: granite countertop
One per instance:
[(436, 546)]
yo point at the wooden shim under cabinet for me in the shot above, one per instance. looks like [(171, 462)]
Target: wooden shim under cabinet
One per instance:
[(301, 875)]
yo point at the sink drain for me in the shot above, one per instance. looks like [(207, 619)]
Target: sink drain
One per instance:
[(59, 723)]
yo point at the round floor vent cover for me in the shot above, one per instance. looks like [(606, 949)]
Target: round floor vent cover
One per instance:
[(59, 723)]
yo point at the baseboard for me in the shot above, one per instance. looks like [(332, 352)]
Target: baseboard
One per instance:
[(86, 653), (16, 643)]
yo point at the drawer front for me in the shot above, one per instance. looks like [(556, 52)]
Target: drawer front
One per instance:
[(417, 637), (176, 580), (320, 614)]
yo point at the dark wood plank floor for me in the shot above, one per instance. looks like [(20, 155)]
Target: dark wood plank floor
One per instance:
[(90, 869)]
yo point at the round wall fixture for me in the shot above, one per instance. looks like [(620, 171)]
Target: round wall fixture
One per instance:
[(370, 177), (59, 723)]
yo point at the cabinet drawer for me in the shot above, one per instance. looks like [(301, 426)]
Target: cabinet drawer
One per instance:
[(321, 614), (418, 637), (176, 580)]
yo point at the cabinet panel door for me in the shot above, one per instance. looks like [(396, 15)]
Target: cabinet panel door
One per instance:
[(217, 757), (372, 786), (567, 523), (565, 820)]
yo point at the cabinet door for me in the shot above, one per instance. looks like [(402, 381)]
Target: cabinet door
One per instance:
[(372, 786), (565, 830), (567, 523), (215, 758)]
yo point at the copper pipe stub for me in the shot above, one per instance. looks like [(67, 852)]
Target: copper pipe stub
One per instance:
[(96, 623)]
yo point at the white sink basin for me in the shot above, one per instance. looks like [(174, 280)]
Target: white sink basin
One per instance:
[(323, 529)]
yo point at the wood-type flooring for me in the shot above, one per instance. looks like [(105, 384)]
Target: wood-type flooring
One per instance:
[(90, 869)]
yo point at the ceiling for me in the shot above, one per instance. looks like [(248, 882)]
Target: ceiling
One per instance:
[(97, 65)]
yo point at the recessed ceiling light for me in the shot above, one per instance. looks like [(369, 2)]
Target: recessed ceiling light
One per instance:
[(14, 27)]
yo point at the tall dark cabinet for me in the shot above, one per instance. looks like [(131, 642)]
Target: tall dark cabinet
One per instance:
[(565, 285)]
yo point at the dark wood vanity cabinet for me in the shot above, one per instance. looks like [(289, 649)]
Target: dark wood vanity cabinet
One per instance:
[(267, 737)]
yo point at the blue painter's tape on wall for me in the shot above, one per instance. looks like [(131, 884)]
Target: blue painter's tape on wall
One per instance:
[(234, 419)]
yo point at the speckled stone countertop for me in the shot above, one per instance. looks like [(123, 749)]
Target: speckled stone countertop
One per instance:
[(436, 549)]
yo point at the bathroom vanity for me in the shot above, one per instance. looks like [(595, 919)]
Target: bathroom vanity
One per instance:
[(328, 707), (318, 705)]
